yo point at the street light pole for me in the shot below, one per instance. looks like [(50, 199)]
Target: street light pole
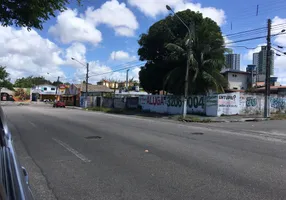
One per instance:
[(86, 80), (86, 84), (189, 49), (58, 80)]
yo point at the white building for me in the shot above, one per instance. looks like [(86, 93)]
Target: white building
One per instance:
[(237, 80), (42, 92)]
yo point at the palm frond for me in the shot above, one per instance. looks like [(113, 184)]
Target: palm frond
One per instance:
[(175, 47)]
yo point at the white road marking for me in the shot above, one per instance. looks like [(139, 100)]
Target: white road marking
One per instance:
[(73, 151), (32, 124)]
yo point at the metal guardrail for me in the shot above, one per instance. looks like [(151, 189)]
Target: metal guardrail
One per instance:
[(13, 178)]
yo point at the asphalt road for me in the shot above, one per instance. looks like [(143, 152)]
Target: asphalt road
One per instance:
[(74, 154)]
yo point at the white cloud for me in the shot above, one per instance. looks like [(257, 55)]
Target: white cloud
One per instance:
[(115, 15), (27, 53), (70, 27), (217, 15), (154, 8), (279, 61), (280, 39), (249, 55), (76, 51), (121, 55), (100, 71)]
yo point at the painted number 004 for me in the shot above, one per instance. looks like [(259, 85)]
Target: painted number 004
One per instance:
[(195, 102)]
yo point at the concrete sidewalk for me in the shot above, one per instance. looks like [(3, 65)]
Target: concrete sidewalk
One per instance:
[(189, 118), (233, 118), (74, 107)]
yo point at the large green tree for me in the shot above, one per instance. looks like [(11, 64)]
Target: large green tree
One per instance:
[(30, 81), (165, 48), (4, 79), (30, 13)]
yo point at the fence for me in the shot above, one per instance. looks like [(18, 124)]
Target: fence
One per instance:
[(122, 103), (211, 105), (214, 105)]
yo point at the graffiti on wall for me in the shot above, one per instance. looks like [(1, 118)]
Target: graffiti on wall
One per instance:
[(173, 101), (172, 104), (222, 104), (251, 102), (278, 103), (212, 100), (155, 100), (227, 100)]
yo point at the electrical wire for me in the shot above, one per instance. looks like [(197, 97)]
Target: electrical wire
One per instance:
[(138, 65), (256, 30), (254, 38)]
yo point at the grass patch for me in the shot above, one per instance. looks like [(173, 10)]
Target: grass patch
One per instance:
[(22, 104), (194, 119), (278, 117), (106, 110)]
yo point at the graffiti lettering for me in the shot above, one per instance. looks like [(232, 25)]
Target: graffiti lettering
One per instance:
[(227, 97), (174, 101), (278, 103), (251, 102), (194, 102), (155, 100), (211, 100)]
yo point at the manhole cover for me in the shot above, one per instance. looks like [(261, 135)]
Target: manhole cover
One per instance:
[(94, 137), (197, 133)]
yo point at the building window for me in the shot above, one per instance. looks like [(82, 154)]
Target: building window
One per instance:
[(45, 88), (53, 88), (234, 75)]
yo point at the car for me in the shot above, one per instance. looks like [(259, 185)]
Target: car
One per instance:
[(14, 183), (59, 104)]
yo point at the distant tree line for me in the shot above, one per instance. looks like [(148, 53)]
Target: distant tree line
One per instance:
[(30, 81), (24, 82)]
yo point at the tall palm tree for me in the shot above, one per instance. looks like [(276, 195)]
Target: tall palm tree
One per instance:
[(206, 61)]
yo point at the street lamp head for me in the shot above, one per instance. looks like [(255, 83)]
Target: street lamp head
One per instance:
[(283, 31), (168, 7), (72, 58), (278, 54)]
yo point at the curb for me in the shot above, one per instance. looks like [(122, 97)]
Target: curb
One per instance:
[(74, 107), (227, 121)]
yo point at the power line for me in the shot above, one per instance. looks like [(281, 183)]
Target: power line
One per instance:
[(257, 10), (127, 63), (254, 38), (123, 64), (256, 30), (117, 70)]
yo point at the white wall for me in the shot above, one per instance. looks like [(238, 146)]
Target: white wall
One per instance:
[(228, 104), (46, 89), (172, 104), (214, 105), (237, 81)]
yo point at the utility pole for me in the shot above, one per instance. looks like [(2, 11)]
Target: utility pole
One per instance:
[(86, 84), (127, 79), (267, 78), (189, 55), (58, 80)]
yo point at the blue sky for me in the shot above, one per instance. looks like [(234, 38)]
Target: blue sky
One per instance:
[(105, 33)]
